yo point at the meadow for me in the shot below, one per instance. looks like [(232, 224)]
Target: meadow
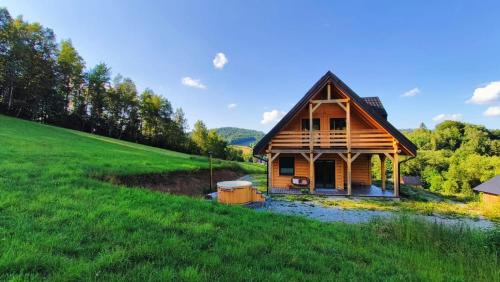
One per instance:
[(60, 222)]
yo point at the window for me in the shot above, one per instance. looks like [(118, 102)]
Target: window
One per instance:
[(305, 124), (287, 166), (337, 124)]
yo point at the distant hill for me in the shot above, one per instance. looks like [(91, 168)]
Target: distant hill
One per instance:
[(240, 136)]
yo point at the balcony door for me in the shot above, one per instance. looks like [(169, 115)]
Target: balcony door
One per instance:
[(324, 174)]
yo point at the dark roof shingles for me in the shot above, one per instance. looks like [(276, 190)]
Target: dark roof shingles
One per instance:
[(376, 105)]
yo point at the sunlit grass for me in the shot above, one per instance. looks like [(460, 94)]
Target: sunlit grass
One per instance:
[(57, 223)]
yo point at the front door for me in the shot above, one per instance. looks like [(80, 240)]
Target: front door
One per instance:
[(324, 174)]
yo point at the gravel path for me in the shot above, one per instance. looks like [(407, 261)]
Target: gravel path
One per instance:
[(318, 212)]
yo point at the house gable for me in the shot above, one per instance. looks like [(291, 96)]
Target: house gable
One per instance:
[(363, 115)]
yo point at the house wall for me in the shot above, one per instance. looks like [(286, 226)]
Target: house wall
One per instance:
[(490, 199), (361, 174), (361, 170), (327, 111)]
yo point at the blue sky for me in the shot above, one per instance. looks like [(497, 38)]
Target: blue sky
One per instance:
[(440, 54)]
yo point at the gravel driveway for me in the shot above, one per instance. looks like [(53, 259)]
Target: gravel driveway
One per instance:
[(318, 212)]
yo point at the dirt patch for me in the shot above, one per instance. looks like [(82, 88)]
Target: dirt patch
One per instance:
[(191, 183)]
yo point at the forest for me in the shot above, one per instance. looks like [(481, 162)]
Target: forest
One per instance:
[(48, 81), (453, 158)]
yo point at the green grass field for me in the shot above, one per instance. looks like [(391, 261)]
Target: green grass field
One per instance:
[(57, 222)]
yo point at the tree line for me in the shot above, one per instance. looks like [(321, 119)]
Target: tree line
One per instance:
[(455, 156), (48, 82)]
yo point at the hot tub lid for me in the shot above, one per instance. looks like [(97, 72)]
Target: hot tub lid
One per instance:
[(233, 184)]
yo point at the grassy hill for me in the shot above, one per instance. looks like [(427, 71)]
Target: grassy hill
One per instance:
[(57, 222), (240, 136)]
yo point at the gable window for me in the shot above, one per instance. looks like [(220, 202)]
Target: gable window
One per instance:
[(287, 166), (337, 124), (305, 124)]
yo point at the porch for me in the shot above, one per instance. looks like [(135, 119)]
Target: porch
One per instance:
[(357, 191)]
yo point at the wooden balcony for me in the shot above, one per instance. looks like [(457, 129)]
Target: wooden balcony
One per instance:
[(326, 139)]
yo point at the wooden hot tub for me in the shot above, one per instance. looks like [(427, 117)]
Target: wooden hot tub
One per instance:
[(237, 192)]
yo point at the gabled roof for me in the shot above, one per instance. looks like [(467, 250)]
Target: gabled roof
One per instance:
[(491, 186), (322, 82)]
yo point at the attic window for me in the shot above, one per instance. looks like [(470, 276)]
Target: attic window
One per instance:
[(337, 124), (305, 124)]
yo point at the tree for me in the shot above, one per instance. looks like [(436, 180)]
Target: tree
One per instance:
[(448, 135), (27, 64), (180, 119), (200, 135), (156, 113), (97, 84), (122, 107), (215, 145), (70, 68)]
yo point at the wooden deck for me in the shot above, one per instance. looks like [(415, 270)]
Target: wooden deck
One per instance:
[(359, 191), (359, 139)]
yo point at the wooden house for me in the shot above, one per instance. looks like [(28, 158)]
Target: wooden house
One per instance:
[(327, 140), (490, 191)]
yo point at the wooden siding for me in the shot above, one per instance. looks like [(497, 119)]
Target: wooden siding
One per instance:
[(490, 199), (365, 133), (361, 174), (324, 113), (361, 170), (301, 169)]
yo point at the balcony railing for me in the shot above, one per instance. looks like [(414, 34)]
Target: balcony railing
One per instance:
[(360, 138)]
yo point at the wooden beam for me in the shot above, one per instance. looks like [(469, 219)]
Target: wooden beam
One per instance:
[(355, 156), (273, 158), (372, 151), (311, 137), (269, 171), (348, 126), (342, 156), (292, 151), (330, 101), (317, 156), (316, 107), (349, 174), (395, 174), (389, 156), (342, 106), (382, 170), (329, 91), (305, 156)]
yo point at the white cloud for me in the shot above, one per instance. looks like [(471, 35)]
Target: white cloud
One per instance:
[(191, 82), (411, 93), (443, 117), (487, 94), (271, 117), (220, 61), (492, 111), (232, 106)]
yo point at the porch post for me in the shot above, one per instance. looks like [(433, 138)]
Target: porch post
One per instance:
[(269, 172), (382, 170), (311, 147), (311, 172), (349, 184), (348, 125), (395, 174)]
